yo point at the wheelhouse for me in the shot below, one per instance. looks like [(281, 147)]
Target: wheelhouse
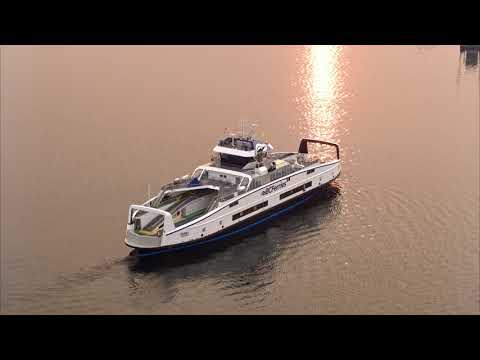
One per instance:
[(239, 151)]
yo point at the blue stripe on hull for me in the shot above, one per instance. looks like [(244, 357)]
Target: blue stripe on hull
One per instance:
[(235, 232)]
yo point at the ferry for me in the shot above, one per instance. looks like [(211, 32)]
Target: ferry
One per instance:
[(243, 185)]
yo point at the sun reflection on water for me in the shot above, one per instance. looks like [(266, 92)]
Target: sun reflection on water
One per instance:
[(322, 79)]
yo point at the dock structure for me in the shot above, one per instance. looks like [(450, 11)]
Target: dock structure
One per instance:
[(471, 58), (469, 48)]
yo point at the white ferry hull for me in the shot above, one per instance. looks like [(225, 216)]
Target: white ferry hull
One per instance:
[(241, 213)]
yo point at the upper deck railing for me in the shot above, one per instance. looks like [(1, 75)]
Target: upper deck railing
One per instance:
[(272, 176), (245, 144)]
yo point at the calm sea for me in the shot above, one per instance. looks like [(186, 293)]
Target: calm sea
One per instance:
[(86, 129)]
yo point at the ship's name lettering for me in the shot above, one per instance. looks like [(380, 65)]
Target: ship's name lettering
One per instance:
[(273, 188)]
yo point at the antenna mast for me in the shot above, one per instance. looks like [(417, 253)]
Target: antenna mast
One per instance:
[(252, 130)]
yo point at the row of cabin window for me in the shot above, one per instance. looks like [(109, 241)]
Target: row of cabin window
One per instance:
[(297, 189), (265, 203), (249, 210)]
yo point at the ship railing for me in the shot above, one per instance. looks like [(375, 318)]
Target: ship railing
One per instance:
[(272, 176), (167, 217), (224, 194), (156, 200), (307, 160)]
